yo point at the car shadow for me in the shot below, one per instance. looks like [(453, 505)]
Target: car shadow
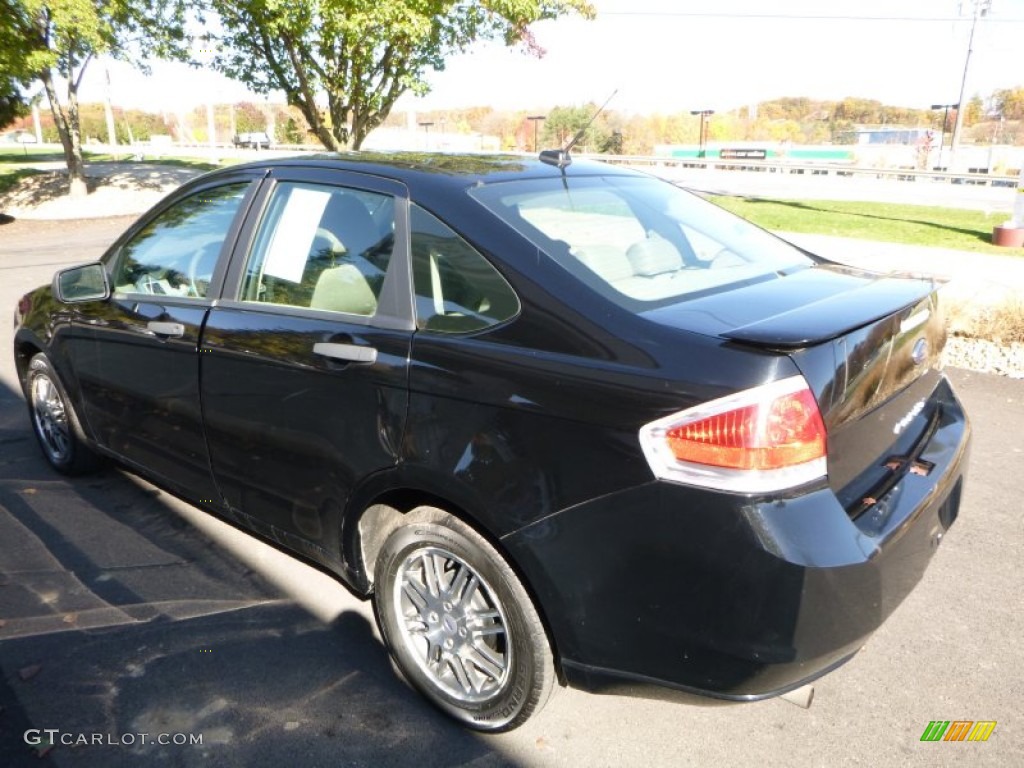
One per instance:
[(118, 618), (268, 685)]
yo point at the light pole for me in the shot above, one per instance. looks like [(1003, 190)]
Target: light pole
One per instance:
[(945, 119), (981, 8), (426, 127), (108, 111), (535, 119), (704, 115)]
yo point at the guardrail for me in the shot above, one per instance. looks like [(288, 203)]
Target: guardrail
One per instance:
[(812, 169)]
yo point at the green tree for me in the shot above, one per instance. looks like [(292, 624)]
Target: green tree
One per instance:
[(12, 105), (14, 74), (362, 55), (563, 123), (56, 39), (293, 134)]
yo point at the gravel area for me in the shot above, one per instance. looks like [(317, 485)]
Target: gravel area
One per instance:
[(116, 189), (985, 356), (121, 189)]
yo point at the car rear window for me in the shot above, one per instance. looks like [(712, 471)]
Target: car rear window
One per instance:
[(640, 241)]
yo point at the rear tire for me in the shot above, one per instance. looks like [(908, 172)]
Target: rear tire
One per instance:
[(55, 422), (459, 624)]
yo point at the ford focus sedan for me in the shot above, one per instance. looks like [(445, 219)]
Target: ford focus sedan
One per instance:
[(565, 424)]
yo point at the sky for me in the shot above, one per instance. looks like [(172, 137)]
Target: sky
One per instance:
[(666, 56)]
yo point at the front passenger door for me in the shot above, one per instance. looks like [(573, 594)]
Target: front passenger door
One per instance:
[(137, 354)]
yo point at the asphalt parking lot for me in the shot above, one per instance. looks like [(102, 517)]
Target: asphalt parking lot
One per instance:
[(124, 611)]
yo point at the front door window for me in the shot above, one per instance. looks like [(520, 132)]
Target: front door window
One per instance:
[(176, 253)]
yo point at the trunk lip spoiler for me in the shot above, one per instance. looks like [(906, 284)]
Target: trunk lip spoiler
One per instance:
[(833, 316)]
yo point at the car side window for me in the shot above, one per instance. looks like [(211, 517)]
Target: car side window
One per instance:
[(457, 289), (177, 252), (321, 247)]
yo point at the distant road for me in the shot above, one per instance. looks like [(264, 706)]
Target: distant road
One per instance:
[(790, 186), (768, 184)]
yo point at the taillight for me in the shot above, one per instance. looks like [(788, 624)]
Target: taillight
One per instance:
[(763, 439)]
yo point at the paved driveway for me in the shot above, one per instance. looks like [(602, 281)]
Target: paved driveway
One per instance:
[(125, 611)]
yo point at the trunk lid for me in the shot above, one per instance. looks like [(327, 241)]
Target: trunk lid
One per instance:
[(869, 346)]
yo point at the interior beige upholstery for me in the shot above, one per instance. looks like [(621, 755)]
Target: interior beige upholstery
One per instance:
[(607, 261), (344, 289), (654, 256)]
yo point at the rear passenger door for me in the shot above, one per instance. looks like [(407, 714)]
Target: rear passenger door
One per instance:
[(304, 360)]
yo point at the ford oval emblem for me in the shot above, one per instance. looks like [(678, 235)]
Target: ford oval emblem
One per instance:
[(920, 351)]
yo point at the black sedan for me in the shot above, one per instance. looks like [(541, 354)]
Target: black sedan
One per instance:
[(566, 424)]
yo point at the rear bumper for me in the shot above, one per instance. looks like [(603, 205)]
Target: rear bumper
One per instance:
[(731, 596)]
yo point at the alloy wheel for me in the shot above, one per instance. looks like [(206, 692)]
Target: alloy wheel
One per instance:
[(453, 625), (50, 415)]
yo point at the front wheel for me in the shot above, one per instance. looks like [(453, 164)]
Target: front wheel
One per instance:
[(54, 420), (459, 624)]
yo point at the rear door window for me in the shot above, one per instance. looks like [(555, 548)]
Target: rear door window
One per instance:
[(321, 247)]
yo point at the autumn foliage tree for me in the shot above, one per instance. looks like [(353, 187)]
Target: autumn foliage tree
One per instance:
[(1009, 103), (360, 56)]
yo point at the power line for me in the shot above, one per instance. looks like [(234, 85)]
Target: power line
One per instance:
[(802, 17)]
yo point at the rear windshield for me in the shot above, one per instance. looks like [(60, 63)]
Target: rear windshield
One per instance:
[(638, 240)]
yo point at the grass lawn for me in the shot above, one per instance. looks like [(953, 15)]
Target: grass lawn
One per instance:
[(14, 156), (912, 224), (22, 154)]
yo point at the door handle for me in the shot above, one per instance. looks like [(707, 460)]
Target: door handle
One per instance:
[(349, 353), (170, 330)]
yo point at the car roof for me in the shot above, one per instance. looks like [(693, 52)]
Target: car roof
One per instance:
[(441, 169)]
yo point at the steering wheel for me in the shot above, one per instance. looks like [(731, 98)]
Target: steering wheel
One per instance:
[(193, 266)]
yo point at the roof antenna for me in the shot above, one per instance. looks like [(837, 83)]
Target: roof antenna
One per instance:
[(560, 158)]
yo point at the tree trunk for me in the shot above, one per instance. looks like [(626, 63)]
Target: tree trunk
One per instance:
[(322, 133), (314, 121), (338, 108), (358, 133), (70, 140), (76, 164)]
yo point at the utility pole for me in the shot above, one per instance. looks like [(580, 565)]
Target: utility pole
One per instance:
[(980, 8), (109, 113), (705, 115), (535, 119), (211, 126), (36, 125), (945, 120), (425, 125)]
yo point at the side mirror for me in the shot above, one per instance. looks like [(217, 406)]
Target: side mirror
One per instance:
[(79, 284)]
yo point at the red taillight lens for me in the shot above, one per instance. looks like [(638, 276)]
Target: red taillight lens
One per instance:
[(762, 439), (786, 431)]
